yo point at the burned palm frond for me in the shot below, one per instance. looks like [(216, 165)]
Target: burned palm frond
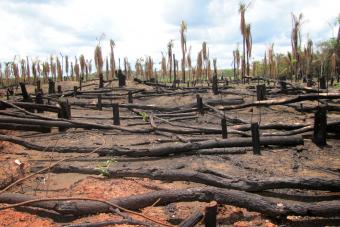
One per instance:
[(59, 70), (184, 47), (98, 59)]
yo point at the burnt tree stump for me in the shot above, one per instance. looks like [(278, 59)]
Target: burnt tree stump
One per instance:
[(130, 97), (121, 78), (26, 97), (320, 126), (255, 135), (224, 128), (210, 214), (115, 111), (261, 92), (215, 85), (51, 86), (199, 104), (99, 103), (39, 100)]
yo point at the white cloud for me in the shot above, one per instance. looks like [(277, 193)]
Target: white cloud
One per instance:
[(140, 28)]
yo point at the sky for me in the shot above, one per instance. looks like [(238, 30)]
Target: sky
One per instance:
[(140, 28)]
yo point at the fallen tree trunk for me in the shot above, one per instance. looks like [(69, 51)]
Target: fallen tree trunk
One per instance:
[(107, 150), (208, 144), (250, 185), (24, 127), (31, 106), (165, 149), (242, 199), (282, 101), (69, 124)]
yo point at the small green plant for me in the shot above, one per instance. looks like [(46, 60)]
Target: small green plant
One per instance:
[(104, 168), (337, 85), (145, 116)]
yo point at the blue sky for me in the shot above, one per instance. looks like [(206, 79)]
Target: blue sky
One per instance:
[(39, 28)]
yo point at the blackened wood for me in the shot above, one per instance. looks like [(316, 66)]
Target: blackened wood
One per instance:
[(23, 127), (320, 126), (224, 128), (210, 214), (255, 135), (75, 91), (175, 72), (130, 97), (51, 87), (39, 100), (26, 97), (38, 85), (192, 220), (115, 111), (65, 111), (99, 102), (261, 92), (250, 201), (200, 104), (283, 101), (323, 83), (121, 78), (59, 90), (101, 80), (215, 85)]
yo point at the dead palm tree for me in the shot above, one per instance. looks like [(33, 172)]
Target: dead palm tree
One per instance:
[(243, 28), (189, 62), (112, 73), (28, 71), (170, 46), (59, 70), (249, 44), (82, 66), (183, 46), (98, 59), (296, 42), (66, 65)]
